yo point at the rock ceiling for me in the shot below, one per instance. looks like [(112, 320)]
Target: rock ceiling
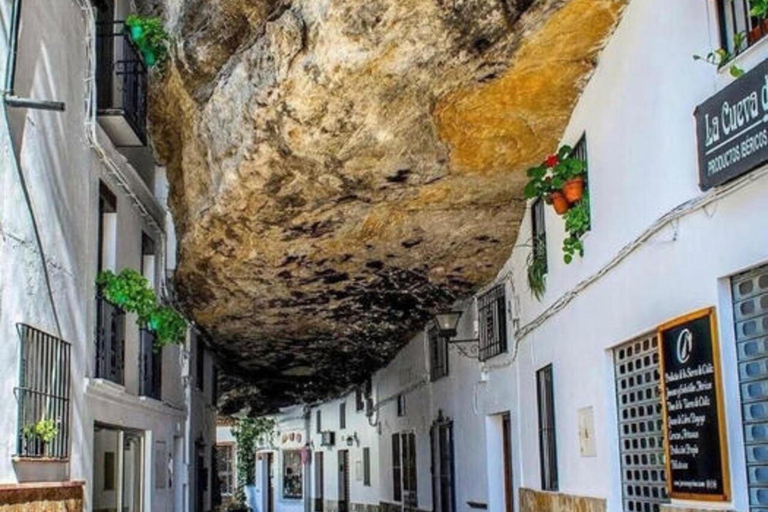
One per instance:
[(343, 169)]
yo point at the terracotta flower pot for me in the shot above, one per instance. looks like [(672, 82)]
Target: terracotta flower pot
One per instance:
[(559, 202), (758, 32), (574, 189)]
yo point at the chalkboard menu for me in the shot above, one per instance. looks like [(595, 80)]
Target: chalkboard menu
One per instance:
[(696, 454)]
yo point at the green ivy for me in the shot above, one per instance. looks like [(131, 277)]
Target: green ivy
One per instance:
[(577, 223), (248, 433), (152, 36), (130, 291)]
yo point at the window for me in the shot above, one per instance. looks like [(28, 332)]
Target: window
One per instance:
[(292, 477), (404, 469), (367, 467), (342, 415), (491, 309), (438, 355), (225, 465), (547, 443), (318, 421), (738, 30), (397, 469), (42, 393), (199, 362), (641, 437), (359, 399), (107, 229), (215, 387), (580, 152), (400, 405), (539, 233), (443, 481)]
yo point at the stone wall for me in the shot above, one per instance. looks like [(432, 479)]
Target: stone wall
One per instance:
[(540, 501), (42, 497)]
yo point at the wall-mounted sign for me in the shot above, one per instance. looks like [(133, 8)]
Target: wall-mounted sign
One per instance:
[(732, 129), (695, 441)]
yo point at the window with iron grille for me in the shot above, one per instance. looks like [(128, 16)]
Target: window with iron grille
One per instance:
[(641, 437), (547, 436), (43, 394), (438, 354), (151, 366), (318, 421), (738, 29), (491, 310), (367, 467), (225, 466), (342, 415), (400, 405), (580, 152)]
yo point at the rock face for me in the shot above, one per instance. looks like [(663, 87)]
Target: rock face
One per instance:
[(343, 169)]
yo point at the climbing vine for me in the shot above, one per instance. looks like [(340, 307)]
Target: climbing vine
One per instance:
[(249, 433)]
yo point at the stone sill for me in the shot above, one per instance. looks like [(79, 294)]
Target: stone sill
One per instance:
[(47, 460), (42, 485)]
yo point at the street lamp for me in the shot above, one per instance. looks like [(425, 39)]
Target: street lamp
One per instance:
[(447, 323)]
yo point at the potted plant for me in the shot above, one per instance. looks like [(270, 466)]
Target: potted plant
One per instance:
[(758, 9), (150, 36), (559, 180), (39, 435), (537, 270)]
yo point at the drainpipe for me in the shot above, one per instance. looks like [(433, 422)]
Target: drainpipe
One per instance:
[(10, 76)]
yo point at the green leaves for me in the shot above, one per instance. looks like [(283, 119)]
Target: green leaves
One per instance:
[(131, 292), (544, 180), (248, 432), (537, 268), (577, 224), (758, 8), (151, 37), (45, 430)]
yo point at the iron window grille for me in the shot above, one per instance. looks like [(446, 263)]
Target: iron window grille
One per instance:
[(493, 323), (738, 30), (342, 415), (121, 76), (539, 231), (400, 405), (319, 422), (367, 467), (438, 355), (580, 152), (43, 393), (110, 342), (547, 441), (151, 366), (641, 437)]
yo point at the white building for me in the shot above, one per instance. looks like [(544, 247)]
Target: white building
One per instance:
[(81, 194), (558, 405)]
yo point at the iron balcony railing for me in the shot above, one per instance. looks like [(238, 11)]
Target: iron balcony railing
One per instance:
[(43, 395), (110, 342), (121, 76), (151, 366), (738, 28)]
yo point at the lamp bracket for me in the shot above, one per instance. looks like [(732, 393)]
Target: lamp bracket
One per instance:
[(471, 351)]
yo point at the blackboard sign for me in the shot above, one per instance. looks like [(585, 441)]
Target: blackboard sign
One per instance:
[(732, 129), (695, 442)]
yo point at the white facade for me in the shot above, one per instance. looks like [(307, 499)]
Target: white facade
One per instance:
[(66, 159), (659, 248)]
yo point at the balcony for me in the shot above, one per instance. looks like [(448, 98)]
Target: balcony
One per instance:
[(110, 342), (121, 83), (151, 366)]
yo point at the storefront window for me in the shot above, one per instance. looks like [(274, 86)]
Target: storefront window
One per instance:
[(292, 476)]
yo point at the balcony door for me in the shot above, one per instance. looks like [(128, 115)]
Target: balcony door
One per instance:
[(105, 51)]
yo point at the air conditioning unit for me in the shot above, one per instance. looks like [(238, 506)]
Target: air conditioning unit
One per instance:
[(327, 438)]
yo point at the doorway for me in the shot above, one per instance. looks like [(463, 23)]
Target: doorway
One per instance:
[(343, 480), (506, 428), (319, 482), (443, 470), (270, 482), (118, 470)]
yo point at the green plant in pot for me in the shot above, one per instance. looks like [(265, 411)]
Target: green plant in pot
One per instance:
[(150, 36), (577, 223), (44, 431), (559, 180), (536, 268)]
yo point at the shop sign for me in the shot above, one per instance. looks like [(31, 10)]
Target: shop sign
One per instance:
[(695, 440), (732, 129)]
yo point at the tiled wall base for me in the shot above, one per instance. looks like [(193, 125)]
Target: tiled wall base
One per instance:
[(539, 501), (43, 497)]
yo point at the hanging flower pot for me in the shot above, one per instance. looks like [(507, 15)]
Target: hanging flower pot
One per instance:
[(559, 202), (574, 189)]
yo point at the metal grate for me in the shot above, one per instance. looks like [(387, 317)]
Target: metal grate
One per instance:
[(438, 355), (110, 342), (640, 425), (43, 393), (739, 30), (151, 368), (750, 309), (493, 323)]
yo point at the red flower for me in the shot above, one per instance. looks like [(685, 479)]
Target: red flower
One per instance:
[(551, 161)]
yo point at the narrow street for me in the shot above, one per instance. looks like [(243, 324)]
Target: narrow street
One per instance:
[(384, 256)]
